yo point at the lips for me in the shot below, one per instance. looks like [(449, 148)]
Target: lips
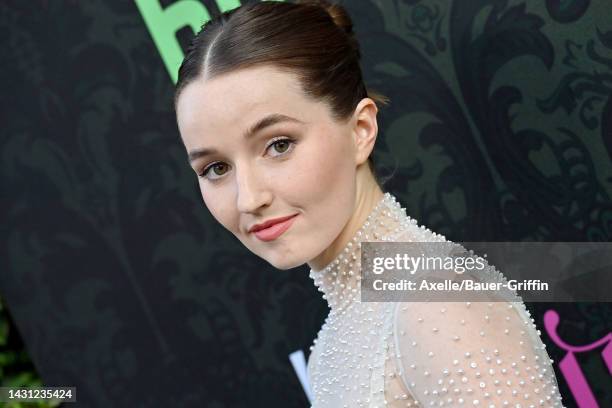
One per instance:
[(275, 228), (269, 223)]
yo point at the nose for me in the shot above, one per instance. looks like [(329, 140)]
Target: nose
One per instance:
[(252, 193)]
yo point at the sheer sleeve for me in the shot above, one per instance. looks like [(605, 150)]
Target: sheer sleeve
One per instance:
[(483, 354)]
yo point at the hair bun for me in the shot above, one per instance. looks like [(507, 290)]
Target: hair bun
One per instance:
[(336, 11)]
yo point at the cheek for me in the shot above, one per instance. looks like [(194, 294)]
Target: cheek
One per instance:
[(220, 207), (326, 164)]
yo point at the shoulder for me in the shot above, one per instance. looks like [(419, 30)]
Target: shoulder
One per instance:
[(472, 348)]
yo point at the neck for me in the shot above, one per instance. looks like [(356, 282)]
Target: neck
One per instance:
[(339, 279), (367, 198)]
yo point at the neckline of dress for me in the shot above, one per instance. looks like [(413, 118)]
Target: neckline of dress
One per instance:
[(340, 279)]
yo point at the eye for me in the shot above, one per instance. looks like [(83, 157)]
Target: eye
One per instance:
[(217, 168), (281, 145)]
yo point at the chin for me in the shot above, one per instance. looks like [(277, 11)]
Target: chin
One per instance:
[(276, 259), (285, 264)]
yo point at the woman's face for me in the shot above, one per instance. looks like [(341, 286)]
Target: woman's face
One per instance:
[(298, 162)]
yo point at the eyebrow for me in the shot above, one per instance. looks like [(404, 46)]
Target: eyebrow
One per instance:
[(261, 124)]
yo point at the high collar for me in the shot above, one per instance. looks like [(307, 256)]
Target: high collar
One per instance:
[(340, 279)]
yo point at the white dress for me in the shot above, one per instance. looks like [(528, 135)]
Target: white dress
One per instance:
[(421, 354)]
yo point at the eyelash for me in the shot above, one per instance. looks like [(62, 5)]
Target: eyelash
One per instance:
[(291, 142)]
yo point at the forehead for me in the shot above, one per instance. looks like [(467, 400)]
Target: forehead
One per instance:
[(231, 102)]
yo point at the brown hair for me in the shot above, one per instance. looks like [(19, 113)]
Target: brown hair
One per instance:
[(313, 39)]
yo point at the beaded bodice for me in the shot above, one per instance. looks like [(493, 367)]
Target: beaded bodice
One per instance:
[(408, 354), (339, 280)]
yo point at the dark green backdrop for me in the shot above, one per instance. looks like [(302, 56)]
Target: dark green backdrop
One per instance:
[(121, 283)]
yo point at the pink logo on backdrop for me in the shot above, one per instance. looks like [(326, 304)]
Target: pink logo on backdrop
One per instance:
[(569, 365)]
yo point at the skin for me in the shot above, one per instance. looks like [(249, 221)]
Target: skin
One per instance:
[(323, 175)]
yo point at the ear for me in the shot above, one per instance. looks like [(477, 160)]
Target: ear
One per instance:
[(365, 129)]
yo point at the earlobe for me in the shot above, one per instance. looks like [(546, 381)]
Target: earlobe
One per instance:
[(365, 130)]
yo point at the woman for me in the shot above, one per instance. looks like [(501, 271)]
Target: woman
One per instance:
[(279, 127)]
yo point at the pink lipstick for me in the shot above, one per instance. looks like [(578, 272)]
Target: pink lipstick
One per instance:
[(272, 230)]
